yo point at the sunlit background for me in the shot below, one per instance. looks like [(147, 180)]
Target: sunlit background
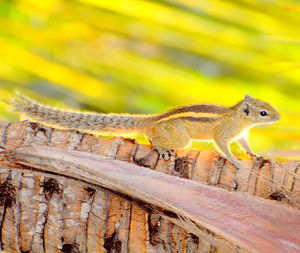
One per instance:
[(149, 56)]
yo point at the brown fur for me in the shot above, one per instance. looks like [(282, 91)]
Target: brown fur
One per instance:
[(78, 120), (166, 131), (204, 108)]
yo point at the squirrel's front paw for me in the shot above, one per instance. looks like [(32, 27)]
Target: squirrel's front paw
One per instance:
[(164, 153), (236, 163)]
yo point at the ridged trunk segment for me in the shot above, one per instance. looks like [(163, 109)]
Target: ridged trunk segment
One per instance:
[(40, 212)]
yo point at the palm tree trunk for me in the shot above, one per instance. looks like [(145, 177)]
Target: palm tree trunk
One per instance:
[(49, 212)]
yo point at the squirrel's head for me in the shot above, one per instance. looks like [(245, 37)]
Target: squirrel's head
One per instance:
[(257, 112)]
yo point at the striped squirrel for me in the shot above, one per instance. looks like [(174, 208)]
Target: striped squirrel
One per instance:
[(170, 130)]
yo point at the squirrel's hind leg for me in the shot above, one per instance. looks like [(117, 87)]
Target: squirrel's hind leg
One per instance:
[(167, 136)]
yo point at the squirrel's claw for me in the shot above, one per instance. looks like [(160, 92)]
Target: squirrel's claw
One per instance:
[(164, 153)]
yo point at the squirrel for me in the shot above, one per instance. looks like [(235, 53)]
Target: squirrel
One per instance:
[(170, 130)]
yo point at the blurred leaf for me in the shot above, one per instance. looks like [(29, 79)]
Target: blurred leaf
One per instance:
[(142, 56)]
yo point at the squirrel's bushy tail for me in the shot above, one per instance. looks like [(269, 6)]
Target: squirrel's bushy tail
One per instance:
[(78, 120)]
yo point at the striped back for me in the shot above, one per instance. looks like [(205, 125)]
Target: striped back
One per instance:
[(201, 113)]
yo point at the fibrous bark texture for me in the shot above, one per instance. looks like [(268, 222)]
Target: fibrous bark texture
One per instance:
[(49, 212)]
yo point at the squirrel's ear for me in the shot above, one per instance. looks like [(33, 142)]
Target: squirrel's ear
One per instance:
[(245, 108), (247, 97)]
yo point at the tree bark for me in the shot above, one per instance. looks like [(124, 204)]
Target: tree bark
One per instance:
[(42, 212)]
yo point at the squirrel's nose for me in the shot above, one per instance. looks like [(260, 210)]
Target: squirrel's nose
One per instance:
[(278, 116)]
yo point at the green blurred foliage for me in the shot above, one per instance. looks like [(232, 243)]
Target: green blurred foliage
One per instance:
[(148, 56)]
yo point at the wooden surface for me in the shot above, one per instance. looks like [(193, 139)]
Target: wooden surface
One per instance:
[(72, 215)]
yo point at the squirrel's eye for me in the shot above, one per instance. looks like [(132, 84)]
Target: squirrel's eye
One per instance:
[(263, 113)]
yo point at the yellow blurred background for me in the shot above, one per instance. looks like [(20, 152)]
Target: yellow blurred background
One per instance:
[(149, 56)]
